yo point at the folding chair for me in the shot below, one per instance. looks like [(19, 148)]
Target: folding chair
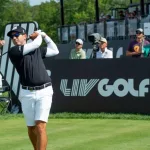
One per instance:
[(5, 99)]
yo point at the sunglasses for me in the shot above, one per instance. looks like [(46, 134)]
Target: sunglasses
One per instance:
[(78, 43), (15, 35), (138, 32), (138, 38)]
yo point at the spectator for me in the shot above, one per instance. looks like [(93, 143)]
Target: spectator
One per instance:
[(108, 17), (135, 48), (121, 15), (103, 52), (78, 52), (131, 15), (134, 14)]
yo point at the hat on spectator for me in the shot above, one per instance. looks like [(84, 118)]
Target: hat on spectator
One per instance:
[(140, 30), (17, 29), (79, 41), (103, 40)]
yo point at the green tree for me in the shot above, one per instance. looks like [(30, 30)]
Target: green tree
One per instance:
[(80, 11), (14, 11), (48, 17), (3, 5), (19, 11)]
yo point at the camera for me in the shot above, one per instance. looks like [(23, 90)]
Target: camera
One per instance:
[(94, 38)]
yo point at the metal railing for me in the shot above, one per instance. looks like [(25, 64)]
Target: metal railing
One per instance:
[(112, 30)]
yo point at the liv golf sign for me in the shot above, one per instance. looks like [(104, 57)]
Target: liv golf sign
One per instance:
[(120, 87)]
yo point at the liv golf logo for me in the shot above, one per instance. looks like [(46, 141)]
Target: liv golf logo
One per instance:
[(81, 87)]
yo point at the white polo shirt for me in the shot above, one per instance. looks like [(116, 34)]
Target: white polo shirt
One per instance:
[(106, 54)]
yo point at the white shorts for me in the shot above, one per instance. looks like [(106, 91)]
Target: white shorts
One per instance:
[(36, 104)]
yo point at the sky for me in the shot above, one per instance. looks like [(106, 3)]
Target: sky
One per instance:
[(37, 2)]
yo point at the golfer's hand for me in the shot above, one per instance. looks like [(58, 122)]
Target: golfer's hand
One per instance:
[(38, 31), (34, 35), (43, 34), (2, 42)]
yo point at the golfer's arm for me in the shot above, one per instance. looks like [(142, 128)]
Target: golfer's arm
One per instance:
[(52, 49), (29, 47)]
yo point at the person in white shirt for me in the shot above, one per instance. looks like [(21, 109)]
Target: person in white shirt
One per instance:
[(103, 52)]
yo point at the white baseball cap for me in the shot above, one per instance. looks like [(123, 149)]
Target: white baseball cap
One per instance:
[(140, 29), (79, 41), (103, 40)]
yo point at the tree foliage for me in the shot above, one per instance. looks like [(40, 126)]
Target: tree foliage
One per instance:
[(14, 11), (48, 14)]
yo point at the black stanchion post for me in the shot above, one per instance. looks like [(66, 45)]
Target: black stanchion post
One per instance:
[(62, 12), (142, 7), (96, 10)]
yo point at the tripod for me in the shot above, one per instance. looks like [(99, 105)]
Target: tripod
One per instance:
[(95, 49)]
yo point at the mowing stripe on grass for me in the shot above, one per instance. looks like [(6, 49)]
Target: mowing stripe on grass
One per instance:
[(80, 134)]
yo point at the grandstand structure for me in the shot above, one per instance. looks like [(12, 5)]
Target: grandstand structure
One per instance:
[(113, 29)]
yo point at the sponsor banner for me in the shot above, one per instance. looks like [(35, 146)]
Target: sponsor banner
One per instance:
[(82, 87), (114, 85)]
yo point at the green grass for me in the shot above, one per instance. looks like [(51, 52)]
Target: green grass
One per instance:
[(104, 132), (5, 94), (102, 115)]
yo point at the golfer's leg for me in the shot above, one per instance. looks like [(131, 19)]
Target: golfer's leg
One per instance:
[(33, 136), (41, 135), (42, 109), (28, 107)]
